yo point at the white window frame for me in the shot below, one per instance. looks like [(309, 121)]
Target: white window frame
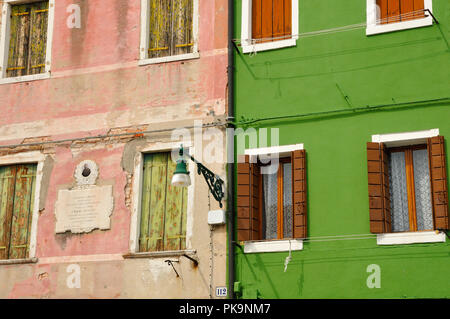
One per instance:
[(405, 139), (5, 37), (33, 157), (273, 245), (246, 30), (373, 16), (145, 37), (137, 197)]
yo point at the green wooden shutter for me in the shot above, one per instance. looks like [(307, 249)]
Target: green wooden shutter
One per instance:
[(7, 183), (163, 209), (19, 40), (175, 215), (17, 187), (22, 211), (38, 37)]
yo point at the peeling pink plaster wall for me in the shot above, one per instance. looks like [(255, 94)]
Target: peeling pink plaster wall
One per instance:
[(95, 76), (106, 50)]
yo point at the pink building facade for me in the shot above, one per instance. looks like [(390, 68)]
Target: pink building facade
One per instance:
[(101, 98)]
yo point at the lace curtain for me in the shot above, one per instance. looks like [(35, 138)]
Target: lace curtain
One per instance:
[(287, 200), (398, 189), (422, 188), (270, 206), (399, 197)]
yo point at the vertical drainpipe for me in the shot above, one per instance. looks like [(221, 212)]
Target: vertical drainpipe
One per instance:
[(230, 146)]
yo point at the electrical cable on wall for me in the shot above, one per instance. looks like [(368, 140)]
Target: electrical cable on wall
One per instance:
[(397, 18)]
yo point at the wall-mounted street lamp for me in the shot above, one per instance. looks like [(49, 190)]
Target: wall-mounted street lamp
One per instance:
[(181, 176)]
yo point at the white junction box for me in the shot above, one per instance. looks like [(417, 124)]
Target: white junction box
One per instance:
[(216, 217)]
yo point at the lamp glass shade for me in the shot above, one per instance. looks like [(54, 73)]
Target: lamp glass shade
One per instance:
[(181, 180)]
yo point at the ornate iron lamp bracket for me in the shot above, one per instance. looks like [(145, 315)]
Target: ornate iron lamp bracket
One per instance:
[(215, 183)]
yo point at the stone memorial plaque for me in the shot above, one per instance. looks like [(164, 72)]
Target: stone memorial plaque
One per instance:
[(83, 210), (87, 206)]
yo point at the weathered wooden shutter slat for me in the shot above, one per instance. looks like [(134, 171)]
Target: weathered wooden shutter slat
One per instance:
[(267, 19), (256, 19), (417, 6), (22, 211), (174, 238), (160, 37), (393, 11), (379, 195), (278, 18), (145, 204), (19, 41), (7, 184), (438, 172), (158, 202), (299, 198), (255, 202), (182, 26), (38, 38), (287, 17)]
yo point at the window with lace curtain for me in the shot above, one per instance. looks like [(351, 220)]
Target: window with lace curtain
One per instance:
[(276, 195), (271, 204), (407, 183), (409, 177)]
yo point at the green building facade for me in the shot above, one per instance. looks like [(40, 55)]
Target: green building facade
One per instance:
[(335, 83)]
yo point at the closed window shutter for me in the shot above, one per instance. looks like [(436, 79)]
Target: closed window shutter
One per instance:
[(438, 175), (38, 38), (400, 10), (248, 190), (171, 24), (298, 160), (379, 196), (7, 183), (160, 35), (271, 19), (183, 41), (22, 211), (19, 41)]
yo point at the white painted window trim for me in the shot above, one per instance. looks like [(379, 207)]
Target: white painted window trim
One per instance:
[(282, 150), (246, 30), (405, 238), (137, 192), (145, 37), (263, 246), (273, 246), (405, 138), (5, 37), (30, 158), (373, 16)]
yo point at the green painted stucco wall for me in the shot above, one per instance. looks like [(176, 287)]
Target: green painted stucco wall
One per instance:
[(332, 92)]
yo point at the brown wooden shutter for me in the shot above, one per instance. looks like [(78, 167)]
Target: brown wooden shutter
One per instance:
[(379, 196), (438, 172), (400, 10), (298, 160), (248, 201), (271, 19)]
